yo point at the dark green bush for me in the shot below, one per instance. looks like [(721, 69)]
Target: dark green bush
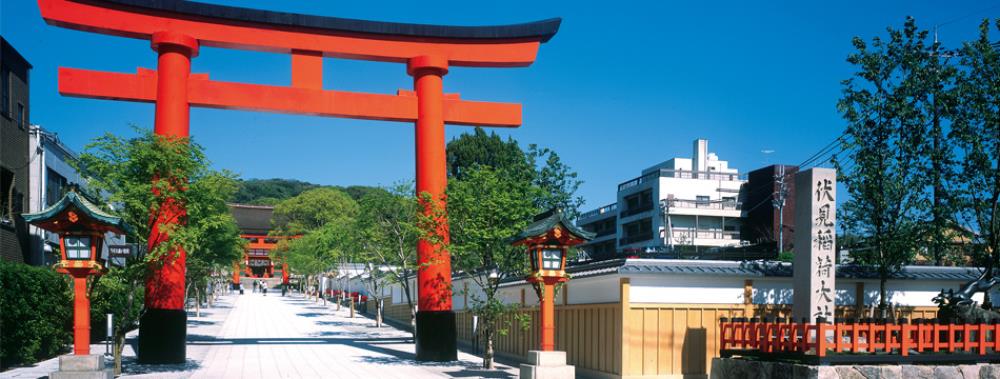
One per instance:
[(36, 314)]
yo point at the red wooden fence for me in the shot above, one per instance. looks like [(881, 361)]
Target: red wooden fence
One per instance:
[(857, 337)]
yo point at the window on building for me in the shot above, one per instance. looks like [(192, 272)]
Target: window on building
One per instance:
[(55, 187), (641, 230), (639, 202), (20, 116), (5, 78)]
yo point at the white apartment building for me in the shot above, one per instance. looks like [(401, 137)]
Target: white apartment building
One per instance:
[(694, 202)]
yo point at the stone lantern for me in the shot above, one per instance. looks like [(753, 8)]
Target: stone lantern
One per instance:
[(547, 240), (81, 226)]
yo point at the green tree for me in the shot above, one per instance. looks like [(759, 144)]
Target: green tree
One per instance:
[(930, 83), (143, 176), (884, 137), (977, 135), (120, 293), (540, 167), (487, 207), (557, 182), (326, 219), (481, 149), (389, 230), (216, 237), (311, 210)]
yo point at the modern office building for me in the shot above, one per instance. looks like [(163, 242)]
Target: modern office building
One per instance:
[(14, 153), (682, 203)]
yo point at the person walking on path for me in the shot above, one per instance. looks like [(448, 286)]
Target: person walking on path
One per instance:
[(263, 287)]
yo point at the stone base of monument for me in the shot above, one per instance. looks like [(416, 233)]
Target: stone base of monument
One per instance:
[(547, 365), (82, 367), (724, 368)]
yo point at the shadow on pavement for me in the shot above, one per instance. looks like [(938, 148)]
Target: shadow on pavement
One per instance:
[(132, 367), (312, 314)]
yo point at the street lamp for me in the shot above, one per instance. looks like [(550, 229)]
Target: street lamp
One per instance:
[(81, 226), (547, 239)]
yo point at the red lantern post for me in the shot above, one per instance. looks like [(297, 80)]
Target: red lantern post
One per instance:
[(81, 227), (547, 240)]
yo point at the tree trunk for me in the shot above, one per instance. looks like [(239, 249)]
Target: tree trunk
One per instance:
[(413, 320), (197, 301), (488, 353), (378, 313), (881, 297), (119, 346)]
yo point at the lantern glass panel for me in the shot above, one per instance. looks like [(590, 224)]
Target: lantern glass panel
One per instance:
[(534, 260), (77, 247), (552, 259)]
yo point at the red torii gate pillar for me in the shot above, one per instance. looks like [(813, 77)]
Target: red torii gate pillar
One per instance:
[(163, 326), (434, 262)]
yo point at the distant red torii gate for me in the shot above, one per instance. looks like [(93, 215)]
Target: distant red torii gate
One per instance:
[(177, 29)]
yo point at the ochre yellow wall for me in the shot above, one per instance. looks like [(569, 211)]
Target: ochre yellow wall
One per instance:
[(631, 340)]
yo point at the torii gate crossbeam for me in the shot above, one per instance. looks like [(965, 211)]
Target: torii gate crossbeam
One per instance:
[(177, 29)]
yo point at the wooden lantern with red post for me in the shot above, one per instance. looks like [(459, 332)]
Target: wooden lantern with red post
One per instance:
[(547, 240), (81, 226)]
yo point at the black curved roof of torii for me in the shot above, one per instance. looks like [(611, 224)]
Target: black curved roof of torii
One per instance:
[(538, 30)]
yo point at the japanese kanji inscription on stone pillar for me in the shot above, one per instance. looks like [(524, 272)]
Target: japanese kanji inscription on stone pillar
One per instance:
[(815, 244)]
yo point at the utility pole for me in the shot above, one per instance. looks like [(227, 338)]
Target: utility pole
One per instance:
[(778, 201)]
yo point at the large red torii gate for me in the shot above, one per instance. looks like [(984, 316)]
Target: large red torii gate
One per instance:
[(177, 29)]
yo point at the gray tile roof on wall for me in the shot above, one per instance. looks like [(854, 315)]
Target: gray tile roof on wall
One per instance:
[(756, 269)]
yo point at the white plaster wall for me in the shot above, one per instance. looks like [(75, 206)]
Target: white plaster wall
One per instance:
[(600, 289), (686, 289)]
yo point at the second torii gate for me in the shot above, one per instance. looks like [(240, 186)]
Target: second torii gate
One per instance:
[(177, 29)]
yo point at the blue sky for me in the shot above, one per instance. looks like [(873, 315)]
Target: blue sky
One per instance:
[(622, 86)]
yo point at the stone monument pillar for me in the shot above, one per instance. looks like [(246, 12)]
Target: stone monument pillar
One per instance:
[(815, 274)]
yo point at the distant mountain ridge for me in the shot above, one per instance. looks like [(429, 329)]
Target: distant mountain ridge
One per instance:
[(273, 191)]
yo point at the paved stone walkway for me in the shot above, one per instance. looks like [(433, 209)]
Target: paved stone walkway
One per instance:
[(256, 336)]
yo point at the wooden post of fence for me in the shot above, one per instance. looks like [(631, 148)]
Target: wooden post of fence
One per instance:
[(904, 338), (821, 327), (854, 335), (623, 295), (982, 337)]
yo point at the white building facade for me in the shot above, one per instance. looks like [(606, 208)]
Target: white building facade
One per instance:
[(692, 202)]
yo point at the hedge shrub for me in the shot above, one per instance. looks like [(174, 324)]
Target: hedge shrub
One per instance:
[(36, 314)]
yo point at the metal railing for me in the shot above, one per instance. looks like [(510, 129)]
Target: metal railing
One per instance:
[(610, 208), (710, 204), (715, 234), (637, 210), (682, 174)]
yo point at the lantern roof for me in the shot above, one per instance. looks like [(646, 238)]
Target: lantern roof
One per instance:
[(74, 212), (544, 227)]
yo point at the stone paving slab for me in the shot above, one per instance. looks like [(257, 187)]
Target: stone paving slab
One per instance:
[(256, 336)]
